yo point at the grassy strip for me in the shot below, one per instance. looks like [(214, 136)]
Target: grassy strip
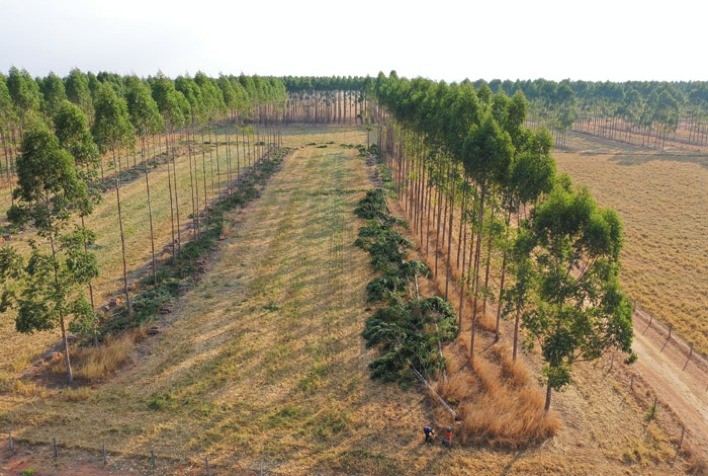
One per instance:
[(176, 275), (408, 331)]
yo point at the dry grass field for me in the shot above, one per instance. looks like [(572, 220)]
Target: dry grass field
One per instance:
[(662, 197), (262, 367)]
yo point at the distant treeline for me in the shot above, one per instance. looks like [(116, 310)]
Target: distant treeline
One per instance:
[(641, 112)]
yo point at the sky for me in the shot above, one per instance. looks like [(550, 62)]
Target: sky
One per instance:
[(594, 40)]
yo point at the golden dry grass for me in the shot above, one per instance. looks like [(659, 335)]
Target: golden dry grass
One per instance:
[(264, 367), (662, 197), (96, 364)]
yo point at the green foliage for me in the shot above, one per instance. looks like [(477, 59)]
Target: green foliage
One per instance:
[(373, 205), (409, 337), (408, 333), (567, 260), (48, 185), (112, 127)]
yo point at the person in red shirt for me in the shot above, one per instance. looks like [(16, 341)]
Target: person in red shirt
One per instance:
[(447, 437)]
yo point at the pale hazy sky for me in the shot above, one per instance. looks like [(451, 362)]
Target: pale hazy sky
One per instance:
[(442, 39)]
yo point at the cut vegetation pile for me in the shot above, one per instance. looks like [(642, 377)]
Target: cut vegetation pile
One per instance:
[(497, 403), (408, 331)]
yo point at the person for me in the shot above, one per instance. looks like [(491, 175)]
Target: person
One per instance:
[(447, 438), (429, 433)]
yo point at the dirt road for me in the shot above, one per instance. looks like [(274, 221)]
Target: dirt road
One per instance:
[(679, 383)]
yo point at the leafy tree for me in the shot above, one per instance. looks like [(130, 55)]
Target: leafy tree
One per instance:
[(577, 309), (79, 92), (24, 92), (43, 290), (53, 92), (72, 131)]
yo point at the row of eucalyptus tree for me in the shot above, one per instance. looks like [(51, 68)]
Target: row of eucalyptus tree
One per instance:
[(639, 112), (329, 100), (463, 154), (54, 136)]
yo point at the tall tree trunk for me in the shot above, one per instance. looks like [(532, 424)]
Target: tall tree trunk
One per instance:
[(476, 271), (169, 185), (503, 272), (62, 323), (149, 203), (517, 318), (122, 240), (448, 264)]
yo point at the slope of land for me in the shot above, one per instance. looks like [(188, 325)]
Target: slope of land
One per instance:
[(263, 367)]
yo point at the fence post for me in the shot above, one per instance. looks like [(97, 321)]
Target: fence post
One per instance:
[(12, 443), (631, 384), (671, 329), (152, 457), (207, 466), (105, 459), (683, 433), (54, 445)]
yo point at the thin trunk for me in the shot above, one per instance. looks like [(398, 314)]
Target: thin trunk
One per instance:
[(169, 185), (122, 241), (448, 264), (149, 203), (174, 170), (503, 273), (62, 323), (476, 271), (517, 318)]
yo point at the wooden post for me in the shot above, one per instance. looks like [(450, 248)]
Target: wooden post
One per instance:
[(152, 457), (683, 433), (12, 443), (631, 384), (207, 466), (54, 445), (651, 318), (671, 329), (105, 459)]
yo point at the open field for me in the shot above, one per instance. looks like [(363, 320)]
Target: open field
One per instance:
[(262, 366), (662, 197)]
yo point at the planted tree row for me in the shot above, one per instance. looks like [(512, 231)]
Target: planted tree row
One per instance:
[(638, 112), (475, 182), (328, 100), (54, 174)]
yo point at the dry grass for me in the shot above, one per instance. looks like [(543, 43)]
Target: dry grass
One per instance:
[(96, 364), (264, 367), (23, 349), (662, 197), (497, 403)]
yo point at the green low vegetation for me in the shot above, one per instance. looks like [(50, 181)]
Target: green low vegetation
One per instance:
[(408, 331)]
